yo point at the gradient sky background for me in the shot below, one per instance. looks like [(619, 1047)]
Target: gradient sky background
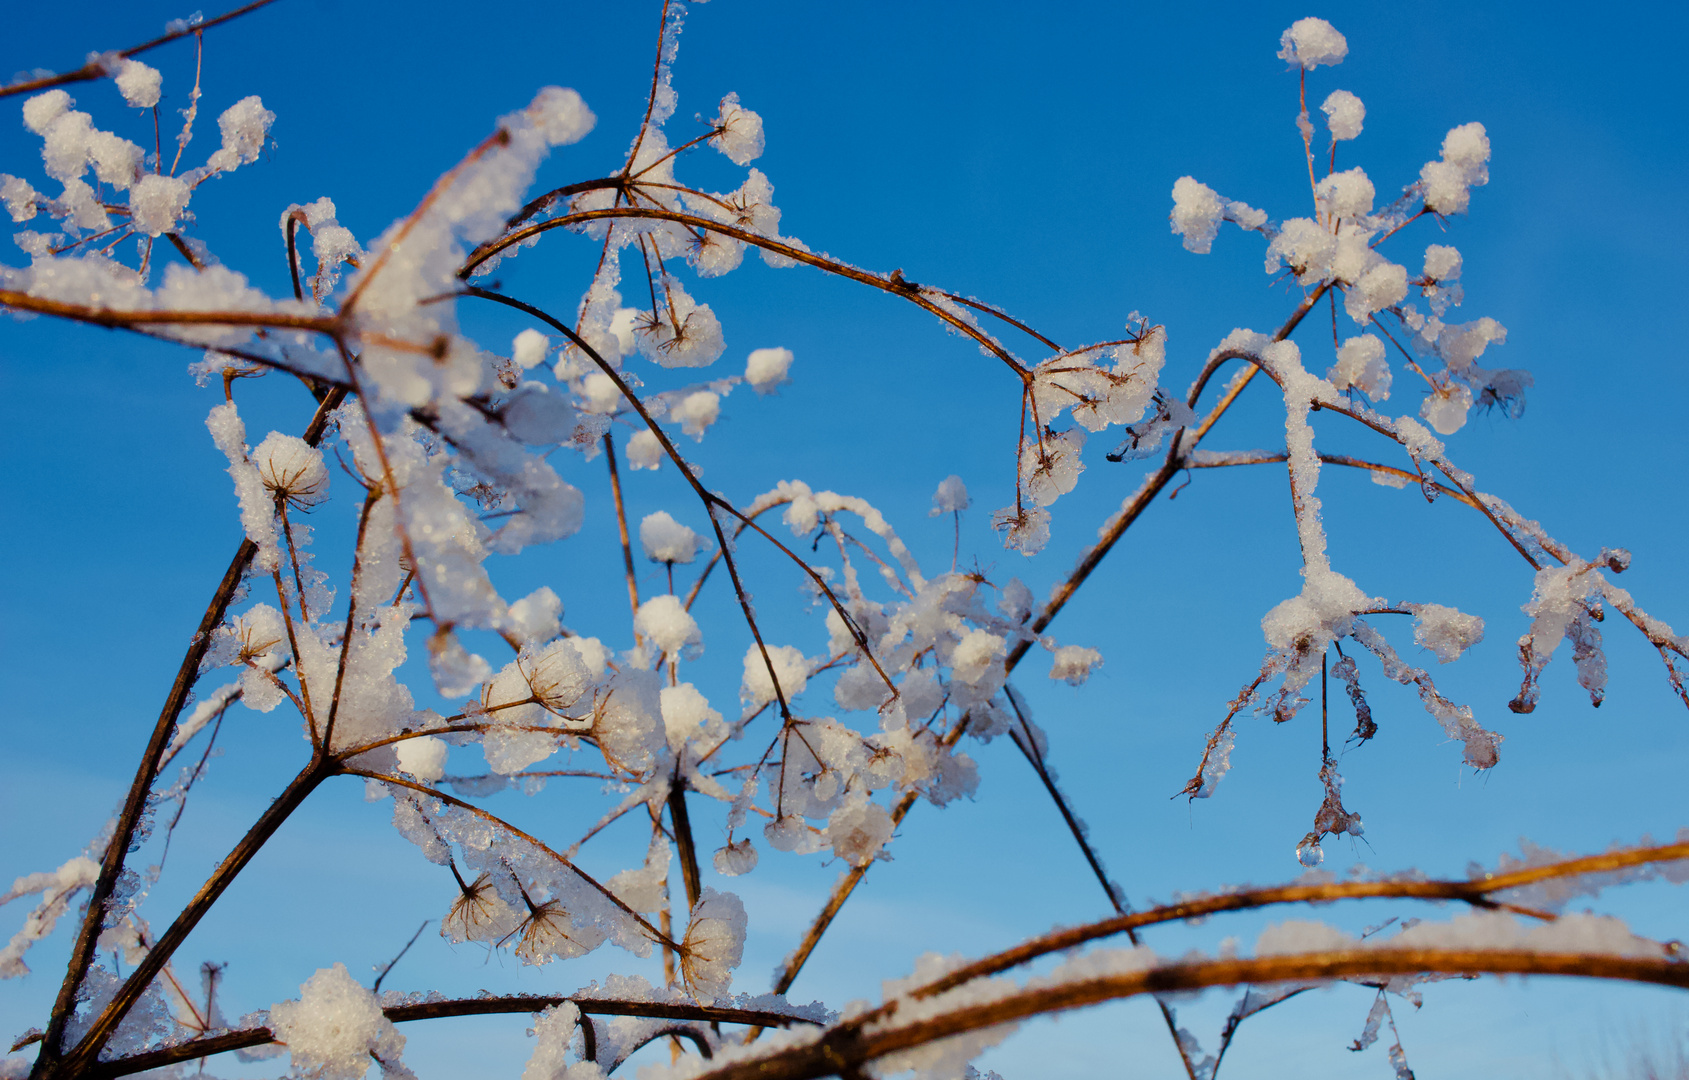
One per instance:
[(1020, 155)]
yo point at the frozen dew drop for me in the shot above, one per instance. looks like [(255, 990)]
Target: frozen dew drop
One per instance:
[(1309, 853)]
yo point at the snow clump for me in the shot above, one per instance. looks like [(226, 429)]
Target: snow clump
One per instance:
[(668, 541), (766, 369), (335, 1027), (1312, 42)]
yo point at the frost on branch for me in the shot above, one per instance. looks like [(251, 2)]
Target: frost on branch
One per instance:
[(56, 888)]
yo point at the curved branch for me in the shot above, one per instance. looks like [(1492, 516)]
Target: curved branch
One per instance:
[(434, 1010), (95, 69), (845, 1049), (1476, 892), (894, 284)]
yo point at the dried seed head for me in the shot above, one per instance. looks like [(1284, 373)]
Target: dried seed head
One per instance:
[(293, 469)]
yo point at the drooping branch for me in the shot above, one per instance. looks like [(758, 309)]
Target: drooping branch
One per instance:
[(847, 1048)]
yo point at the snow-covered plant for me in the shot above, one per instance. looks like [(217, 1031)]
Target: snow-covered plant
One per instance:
[(445, 452)]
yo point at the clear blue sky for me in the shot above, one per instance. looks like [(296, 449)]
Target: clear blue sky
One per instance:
[(1025, 156)]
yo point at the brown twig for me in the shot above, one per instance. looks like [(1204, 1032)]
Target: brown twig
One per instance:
[(82, 951), (95, 69)]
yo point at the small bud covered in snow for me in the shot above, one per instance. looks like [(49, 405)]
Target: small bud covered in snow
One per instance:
[(245, 125), (740, 129), (1306, 247), (696, 412), (951, 497), (858, 830), (757, 690), (1445, 408), (139, 84), (665, 623), (1197, 213), (766, 369), (1312, 42), (292, 468), (1074, 663), (736, 858), (1361, 366), (1464, 165), (536, 617), (1344, 114), (1383, 286), (529, 348), (424, 758), (335, 1027), (40, 111), (538, 416), (156, 203), (975, 655), (645, 451), (686, 335), (18, 196), (1442, 262), (1445, 631), (1346, 194), (668, 541)]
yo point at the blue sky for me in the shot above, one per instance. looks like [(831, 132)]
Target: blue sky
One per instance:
[(1023, 156)]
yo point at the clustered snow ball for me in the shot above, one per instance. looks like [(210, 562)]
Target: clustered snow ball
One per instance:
[(1312, 42), (951, 497), (560, 116), (790, 668), (245, 125), (529, 348), (664, 622), (139, 84), (740, 137), (1344, 114), (538, 416), (668, 541), (1346, 194), (1361, 366), (1197, 213), (335, 1027), (696, 412), (645, 450), (1464, 165), (766, 369), (424, 757)]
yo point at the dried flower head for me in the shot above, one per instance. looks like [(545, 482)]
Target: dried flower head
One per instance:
[(292, 469)]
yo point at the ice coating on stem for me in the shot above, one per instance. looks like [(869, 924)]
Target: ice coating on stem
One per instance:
[(56, 888)]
